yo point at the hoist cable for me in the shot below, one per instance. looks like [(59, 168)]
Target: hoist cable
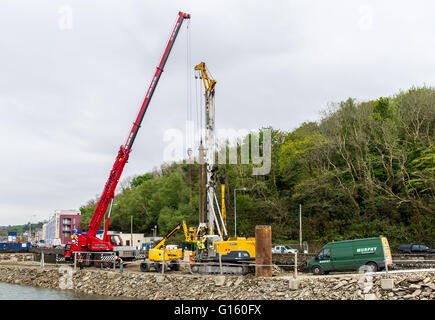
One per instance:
[(189, 133), (197, 110), (187, 74)]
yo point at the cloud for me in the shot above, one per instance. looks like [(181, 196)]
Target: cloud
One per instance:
[(69, 95)]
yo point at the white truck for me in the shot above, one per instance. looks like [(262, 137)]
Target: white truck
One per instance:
[(283, 249)]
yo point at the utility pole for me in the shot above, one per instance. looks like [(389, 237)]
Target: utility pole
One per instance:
[(235, 211), (300, 227), (131, 231)]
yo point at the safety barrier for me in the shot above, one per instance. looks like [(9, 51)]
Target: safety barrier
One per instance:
[(413, 260), (402, 271), (108, 261)]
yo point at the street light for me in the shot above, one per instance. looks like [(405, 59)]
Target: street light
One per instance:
[(235, 210)]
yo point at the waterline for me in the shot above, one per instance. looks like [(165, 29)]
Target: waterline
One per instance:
[(19, 292)]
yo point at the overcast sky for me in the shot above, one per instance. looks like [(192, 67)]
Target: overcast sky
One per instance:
[(74, 73)]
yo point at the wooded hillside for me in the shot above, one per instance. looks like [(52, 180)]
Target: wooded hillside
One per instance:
[(365, 169)]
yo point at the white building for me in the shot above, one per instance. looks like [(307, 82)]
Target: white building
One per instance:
[(139, 239), (132, 239), (43, 232)]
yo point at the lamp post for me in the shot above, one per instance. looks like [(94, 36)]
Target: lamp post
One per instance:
[(235, 210)]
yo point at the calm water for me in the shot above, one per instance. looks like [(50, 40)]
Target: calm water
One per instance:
[(19, 292)]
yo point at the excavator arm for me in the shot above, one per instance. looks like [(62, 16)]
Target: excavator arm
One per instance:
[(170, 234)]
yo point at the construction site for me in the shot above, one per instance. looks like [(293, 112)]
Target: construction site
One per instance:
[(210, 259)]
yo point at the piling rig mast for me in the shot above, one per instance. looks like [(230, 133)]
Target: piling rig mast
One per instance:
[(236, 253), (89, 240), (207, 155)]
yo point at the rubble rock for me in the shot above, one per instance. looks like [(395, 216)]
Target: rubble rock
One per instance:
[(176, 286)]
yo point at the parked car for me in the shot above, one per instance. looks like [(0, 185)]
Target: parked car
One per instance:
[(415, 248), (351, 255), (171, 246), (283, 249), (41, 244)]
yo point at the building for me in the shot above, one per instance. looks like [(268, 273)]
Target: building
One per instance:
[(37, 235), (150, 242), (43, 232), (57, 231)]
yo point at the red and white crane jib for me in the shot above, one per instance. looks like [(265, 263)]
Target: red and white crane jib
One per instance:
[(89, 240)]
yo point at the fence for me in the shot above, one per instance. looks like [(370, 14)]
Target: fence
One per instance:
[(402, 271), (108, 261), (85, 259)]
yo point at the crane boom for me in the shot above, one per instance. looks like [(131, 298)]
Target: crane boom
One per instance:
[(89, 240), (124, 151)]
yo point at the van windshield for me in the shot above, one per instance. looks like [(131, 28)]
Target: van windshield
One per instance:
[(324, 254)]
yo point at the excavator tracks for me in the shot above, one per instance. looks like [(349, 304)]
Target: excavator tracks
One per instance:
[(214, 268)]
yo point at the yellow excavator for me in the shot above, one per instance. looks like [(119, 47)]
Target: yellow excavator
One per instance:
[(155, 255), (235, 251)]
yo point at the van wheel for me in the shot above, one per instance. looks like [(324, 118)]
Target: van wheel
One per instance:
[(317, 270), (372, 266), (159, 267), (174, 265), (144, 267)]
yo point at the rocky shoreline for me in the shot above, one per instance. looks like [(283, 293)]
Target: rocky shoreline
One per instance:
[(152, 286)]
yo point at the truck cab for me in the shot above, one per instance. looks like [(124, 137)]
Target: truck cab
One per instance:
[(127, 253), (114, 239)]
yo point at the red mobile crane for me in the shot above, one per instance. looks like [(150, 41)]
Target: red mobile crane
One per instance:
[(89, 242)]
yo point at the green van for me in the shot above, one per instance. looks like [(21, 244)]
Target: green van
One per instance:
[(351, 255)]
